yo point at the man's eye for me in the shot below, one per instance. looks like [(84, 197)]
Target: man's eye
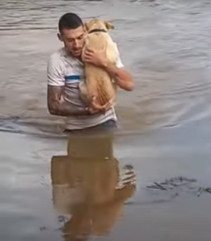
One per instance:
[(81, 37)]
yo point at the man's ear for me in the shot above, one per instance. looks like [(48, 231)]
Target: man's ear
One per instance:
[(59, 37), (109, 25)]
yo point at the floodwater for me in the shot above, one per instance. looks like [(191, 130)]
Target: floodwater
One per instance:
[(151, 181)]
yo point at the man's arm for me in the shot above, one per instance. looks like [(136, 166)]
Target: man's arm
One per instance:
[(122, 78), (58, 106)]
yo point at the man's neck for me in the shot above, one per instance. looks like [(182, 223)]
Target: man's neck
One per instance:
[(69, 53), (79, 58)]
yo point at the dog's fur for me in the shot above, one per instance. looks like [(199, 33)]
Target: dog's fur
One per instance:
[(97, 81)]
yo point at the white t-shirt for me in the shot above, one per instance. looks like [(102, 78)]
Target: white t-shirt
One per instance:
[(66, 70)]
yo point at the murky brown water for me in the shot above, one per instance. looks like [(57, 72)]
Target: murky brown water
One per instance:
[(164, 127)]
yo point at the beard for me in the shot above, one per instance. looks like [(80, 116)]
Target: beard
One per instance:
[(76, 52)]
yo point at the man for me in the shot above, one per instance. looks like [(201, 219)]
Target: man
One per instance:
[(65, 71)]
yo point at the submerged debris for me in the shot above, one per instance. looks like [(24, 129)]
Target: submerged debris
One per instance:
[(179, 184)]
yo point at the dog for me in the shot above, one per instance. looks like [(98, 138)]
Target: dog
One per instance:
[(97, 81)]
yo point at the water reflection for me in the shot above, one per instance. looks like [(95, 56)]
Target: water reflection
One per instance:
[(88, 185)]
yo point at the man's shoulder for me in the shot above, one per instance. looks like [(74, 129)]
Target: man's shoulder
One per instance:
[(57, 55), (61, 57)]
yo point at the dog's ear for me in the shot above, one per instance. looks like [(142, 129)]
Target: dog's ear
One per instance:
[(86, 26), (109, 25)]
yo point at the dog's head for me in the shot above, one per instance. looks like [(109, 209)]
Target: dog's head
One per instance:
[(98, 24)]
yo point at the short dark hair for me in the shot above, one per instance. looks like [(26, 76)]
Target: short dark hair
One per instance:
[(69, 21)]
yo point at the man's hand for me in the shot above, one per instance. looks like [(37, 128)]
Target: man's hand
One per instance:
[(95, 108), (96, 57)]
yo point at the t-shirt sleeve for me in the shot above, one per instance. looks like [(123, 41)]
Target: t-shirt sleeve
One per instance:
[(119, 63), (55, 76)]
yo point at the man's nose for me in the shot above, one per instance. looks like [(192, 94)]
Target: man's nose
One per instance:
[(76, 43)]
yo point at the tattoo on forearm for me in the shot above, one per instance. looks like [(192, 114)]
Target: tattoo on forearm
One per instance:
[(61, 108)]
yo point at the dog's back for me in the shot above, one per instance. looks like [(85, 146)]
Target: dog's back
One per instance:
[(98, 82)]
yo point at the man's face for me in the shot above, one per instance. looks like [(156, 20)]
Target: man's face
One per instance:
[(73, 40)]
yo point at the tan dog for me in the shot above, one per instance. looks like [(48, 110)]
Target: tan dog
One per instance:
[(97, 81)]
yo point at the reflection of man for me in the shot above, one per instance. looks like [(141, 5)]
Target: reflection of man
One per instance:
[(85, 185)]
